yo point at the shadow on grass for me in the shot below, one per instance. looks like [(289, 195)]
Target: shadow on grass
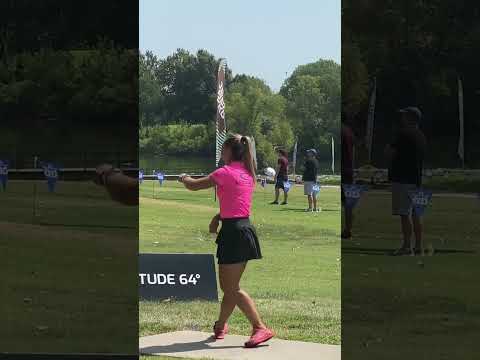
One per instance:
[(389, 252)]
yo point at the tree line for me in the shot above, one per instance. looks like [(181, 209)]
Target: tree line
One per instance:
[(417, 51), (58, 98), (177, 98), (68, 77)]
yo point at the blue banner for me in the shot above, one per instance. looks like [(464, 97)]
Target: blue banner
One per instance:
[(4, 174), (352, 193), (51, 174), (160, 177), (420, 200)]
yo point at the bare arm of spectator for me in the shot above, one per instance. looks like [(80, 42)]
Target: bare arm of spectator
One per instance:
[(120, 187)]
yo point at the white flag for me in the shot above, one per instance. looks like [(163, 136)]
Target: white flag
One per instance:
[(461, 139), (294, 162), (333, 156), (371, 119), (254, 151)]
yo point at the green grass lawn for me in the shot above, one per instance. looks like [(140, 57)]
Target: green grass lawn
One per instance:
[(429, 311), (69, 273), (296, 285)]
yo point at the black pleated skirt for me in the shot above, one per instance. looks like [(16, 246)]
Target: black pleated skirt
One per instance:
[(237, 242)]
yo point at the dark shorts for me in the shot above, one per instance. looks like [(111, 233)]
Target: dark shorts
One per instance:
[(280, 181), (237, 242), (401, 202)]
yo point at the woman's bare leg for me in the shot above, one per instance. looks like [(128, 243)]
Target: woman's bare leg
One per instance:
[(230, 276)]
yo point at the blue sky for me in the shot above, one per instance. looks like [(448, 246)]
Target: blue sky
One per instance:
[(263, 38)]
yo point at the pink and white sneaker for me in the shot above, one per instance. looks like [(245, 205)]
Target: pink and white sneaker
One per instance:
[(259, 336)]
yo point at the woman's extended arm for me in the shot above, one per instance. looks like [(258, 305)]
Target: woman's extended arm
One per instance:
[(196, 184)]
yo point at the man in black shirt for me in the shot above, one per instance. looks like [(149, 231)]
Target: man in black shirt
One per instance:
[(310, 180), (406, 155)]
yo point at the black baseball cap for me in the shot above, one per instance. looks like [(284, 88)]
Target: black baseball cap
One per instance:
[(412, 110)]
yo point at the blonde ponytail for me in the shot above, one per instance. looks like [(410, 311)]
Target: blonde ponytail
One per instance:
[(242, 150), (249, 158)]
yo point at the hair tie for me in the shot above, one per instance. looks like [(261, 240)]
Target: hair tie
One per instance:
[(243, 140)]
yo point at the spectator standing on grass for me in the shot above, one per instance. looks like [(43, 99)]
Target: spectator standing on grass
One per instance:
[(309, 178), (406, 155), (347, 176), (281, 177)]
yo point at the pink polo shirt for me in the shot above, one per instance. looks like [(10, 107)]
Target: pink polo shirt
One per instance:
[(235, 188)]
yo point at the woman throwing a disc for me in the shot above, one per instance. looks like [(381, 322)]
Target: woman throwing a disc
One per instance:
[(237, 242)]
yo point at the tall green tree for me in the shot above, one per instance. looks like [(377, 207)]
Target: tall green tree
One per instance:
[(178, 88), (313, 98), (150, 90), (253, 109), (354, 79), (417, 50)]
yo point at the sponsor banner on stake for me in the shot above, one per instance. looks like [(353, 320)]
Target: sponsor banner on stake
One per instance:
[(160, 177), (4, 173), (352, 193), (51, 174), (421, 198)]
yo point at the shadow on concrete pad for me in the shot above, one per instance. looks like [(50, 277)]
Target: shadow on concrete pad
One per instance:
[(188, 346)]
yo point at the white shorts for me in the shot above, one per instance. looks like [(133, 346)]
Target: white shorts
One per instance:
[(308, 188)]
